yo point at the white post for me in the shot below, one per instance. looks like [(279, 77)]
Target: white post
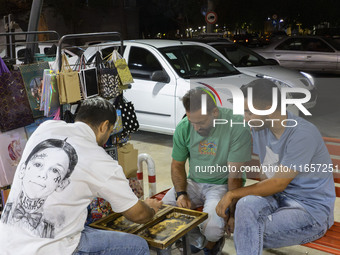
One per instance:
[(151, 172)]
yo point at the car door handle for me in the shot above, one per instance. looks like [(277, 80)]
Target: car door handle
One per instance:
[(309, 57), (277, 55)]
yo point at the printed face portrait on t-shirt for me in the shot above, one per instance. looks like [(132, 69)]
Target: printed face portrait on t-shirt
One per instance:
[(44, 172)]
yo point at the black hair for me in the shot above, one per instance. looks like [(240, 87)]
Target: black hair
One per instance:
[(96, 110), (262, 92), (192, 100), (57, 143)]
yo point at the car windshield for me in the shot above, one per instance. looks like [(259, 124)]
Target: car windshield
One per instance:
[(241, 56), (197, 62), (333, 43)]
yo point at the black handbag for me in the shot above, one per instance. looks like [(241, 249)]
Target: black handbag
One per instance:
[(129, 118), (108, 79)]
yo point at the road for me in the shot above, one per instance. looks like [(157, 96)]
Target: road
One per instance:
[(326, 113)]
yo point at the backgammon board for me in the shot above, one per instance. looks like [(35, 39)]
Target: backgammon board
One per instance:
[(168, 225)]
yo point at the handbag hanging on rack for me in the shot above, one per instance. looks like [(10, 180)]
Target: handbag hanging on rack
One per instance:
[(49, 95), (68, 83), (32, 76), (122, 68), (109, 83), (15, 109), (129, 118)]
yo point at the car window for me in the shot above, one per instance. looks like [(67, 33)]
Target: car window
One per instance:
[(240, 56), (295, 44), (107, 51), (142, 63), (197, 62), (333, 43), (314, 44)]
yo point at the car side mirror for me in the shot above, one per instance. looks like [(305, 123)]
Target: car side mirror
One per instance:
[(21, 55), (272, 61), (160, 76)]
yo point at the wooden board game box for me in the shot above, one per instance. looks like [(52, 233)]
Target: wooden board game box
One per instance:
[(168, 225)]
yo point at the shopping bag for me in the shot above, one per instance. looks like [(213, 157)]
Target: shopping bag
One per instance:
[(49, 95), (122, 68), (3, 67), (15, 110), (11, 147), (128, 159), (118, 126), (32, 76), (109, 83), (129, 118), (68, 83)]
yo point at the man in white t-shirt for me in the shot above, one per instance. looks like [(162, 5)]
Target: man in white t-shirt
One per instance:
[(63, 167)]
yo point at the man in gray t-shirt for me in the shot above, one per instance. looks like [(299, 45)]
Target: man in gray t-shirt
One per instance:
[(294, 203)]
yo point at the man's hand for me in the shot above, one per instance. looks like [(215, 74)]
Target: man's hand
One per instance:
[(229, 226), (223, 205), (183, 201), (153, 203)]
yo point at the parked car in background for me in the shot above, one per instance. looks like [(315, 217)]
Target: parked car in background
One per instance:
[(164, 70), (272, 37), (305, 53), (45, 51), (249, 40), (249, 62)]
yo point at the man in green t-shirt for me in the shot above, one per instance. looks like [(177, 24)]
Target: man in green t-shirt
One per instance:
[(215, 154)]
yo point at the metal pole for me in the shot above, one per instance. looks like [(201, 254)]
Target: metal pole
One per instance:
[(33, 24), (210, 8), (87, 35)]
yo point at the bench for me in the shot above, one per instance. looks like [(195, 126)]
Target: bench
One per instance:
[(330, 242)]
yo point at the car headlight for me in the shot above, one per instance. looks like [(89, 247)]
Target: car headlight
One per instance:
[(309, 77), (279, 83)]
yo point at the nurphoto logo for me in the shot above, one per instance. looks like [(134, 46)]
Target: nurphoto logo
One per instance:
[(238, 104)]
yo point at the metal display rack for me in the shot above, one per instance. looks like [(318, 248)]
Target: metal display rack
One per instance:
[(86, 35), (11, 42), (69, 37)]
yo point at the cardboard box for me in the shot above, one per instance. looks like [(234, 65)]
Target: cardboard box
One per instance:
[(127, 158)]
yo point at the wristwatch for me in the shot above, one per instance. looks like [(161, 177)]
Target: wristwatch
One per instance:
[(180, 193)]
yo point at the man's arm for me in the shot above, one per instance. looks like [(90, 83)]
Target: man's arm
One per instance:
[(142, 212), (234, 182), (263, 188), (179, 179)]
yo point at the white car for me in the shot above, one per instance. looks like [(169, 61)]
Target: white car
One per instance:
[(306, 53), (47, 50), (249, 62), (164, 70)]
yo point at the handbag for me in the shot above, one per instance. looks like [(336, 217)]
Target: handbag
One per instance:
[(129, 118), (11, 148), (49, 96), (15, 109), (122, 68), (109, 83), (3, 67), (118, 127), (32, 75), (68, 83)]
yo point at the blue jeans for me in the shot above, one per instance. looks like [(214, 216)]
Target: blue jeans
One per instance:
[(207, 195), (104, 242), (272, 222)]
